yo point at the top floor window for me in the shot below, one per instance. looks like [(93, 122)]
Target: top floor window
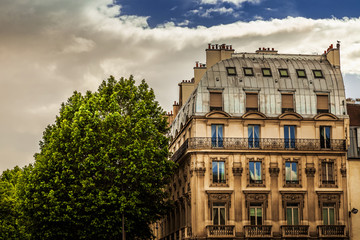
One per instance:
[(215, 101), (322, 103), (217, 135), (283, 73), (325, 136), (248, 72), (231, 71), (252, 102), (301, 73), (254, 136), (287, 102), (266, 72), (318, 74)]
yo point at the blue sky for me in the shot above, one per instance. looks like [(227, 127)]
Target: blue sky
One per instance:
[(193, 13), (50, 48)]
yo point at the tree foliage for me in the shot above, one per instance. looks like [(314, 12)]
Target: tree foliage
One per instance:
[(105, 155)]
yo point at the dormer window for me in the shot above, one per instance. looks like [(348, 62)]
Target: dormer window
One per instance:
[(252, 102), (231, 71), (283, 73), (318, 74), (322, 103), (287, 102), (301, 73), (266, 72), (248, 72), (216, 101)]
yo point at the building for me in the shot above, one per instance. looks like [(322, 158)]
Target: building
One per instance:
[(260, 141), (353, 108)]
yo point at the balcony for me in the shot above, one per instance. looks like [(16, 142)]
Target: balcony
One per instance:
[(257, 231), (330, 231), (258, 144), (220, 231), (186, 232), (295, 231)]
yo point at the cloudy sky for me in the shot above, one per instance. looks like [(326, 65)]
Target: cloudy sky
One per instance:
[(50, 48)]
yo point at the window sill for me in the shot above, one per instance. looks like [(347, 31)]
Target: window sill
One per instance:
[(219, 185)]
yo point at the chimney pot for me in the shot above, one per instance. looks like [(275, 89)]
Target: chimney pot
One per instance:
[(197, 63), (213, 46), (209, 45), (273, 49), (230, 47), (260, 48), (268, 49), (217, 46)]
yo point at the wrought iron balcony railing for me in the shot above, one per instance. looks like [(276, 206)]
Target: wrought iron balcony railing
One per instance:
[(295, 230), (220, 231), (258, 144), (331, 230), (257, 231)]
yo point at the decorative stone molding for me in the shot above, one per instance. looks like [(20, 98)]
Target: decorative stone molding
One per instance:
[(237, 169), (334, 173), (330, 198), (343, 170), (310, 170), (262, 184), (299, 172), (257, 197), (225, 160), (293, 197), (274, 170), (219, 197)]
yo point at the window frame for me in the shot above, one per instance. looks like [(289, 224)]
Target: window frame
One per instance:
[(226, 172), (290, 141), (217, 141), (281, 75), (216, 108), (328, 207), (248, 74), (296, 184), (294, 206), (256, 183), (266, 69), (325, 141), (251, 109), (254, 143), (256, 206), (319, 71), (284, 110), (301, 70), (218, 206), (322, 110), (326, 182), (231, 68)]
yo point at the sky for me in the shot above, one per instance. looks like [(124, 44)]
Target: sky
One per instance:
[(48, 49)]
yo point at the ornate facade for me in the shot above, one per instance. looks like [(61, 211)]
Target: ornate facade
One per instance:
[(260, 140)]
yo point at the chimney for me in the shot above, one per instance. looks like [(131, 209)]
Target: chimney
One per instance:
[(176, 108), (218, 53), (266, 51), (333, 55)]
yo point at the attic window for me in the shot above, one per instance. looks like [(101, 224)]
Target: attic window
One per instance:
[(252, 102), (215, 101), (318, 74), (266, 72), (248, 72), (284, 73), (301, 73), (322, 103), (231, 71), (287, 102)]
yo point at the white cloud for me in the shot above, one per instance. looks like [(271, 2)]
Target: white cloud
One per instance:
[(235, 2), (221, 10), (48, 49)]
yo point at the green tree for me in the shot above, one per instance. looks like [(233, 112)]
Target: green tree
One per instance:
[(106, 155), (11, 224)]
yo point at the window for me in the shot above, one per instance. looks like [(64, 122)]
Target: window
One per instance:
[(266, 72), (231, 71), (289, 136), (291, 172), (253, 136), (252, 102), (217, 135), (255, 172), (292, 213), (256, 214), (322, 103), (318, 74), (325, 137), (248, 72), (218, 171), (215, 101), (287, 103), (283, 73), (219, 213), (327, 172), (328, 214), (301, 73)]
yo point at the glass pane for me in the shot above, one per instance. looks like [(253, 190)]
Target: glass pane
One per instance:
[(325, 216), (213, 135), (256, 135), (330, 171), (322, 137), (250, 136), (252, 216), (220, 135), (296, 216), (327, 132), (289, 216), (258, 171), (287, 171), (259, 216), (286, 136), (331, 216), (294, 175), (215, 216), (252, 170), (221, 171), (292, 136), (222, 216), (215, 172)]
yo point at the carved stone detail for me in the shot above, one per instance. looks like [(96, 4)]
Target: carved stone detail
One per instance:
[(310, 170), (237, 169), (274, 171), (256, 197), (343, 170)]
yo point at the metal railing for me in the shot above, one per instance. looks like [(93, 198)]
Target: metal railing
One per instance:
[(295, 230), (331, 230), (220, 231), (258, 144), (257, 231), (186, 232)]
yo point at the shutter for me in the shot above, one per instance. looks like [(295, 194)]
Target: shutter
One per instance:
[(323, 102), (216, 100), (287, 101), (251, 100)]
